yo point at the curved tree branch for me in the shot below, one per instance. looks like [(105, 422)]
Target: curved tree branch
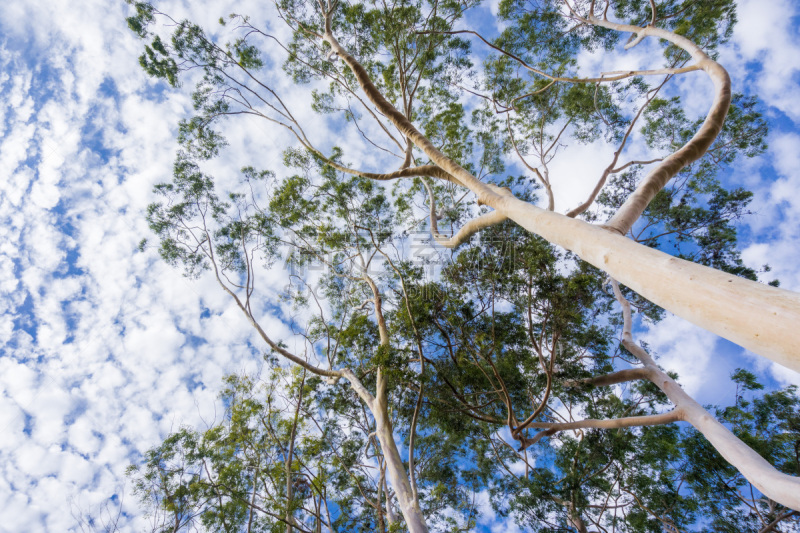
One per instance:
[(467, 230), (637, 202)]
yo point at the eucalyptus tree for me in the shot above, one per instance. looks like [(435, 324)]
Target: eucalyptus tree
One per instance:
[(517, 339), (410, 54)]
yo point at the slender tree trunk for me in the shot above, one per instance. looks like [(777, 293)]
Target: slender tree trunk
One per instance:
[(409, 504), (290, 456), (398, 477), (389, 509), (379, 501)]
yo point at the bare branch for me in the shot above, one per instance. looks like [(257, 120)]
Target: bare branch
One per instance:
[(774, 524), (623, 376), (552, 428), (545, 181)]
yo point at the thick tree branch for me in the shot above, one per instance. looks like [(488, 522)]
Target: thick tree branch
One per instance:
[(552, 428), (637, 202), (776, 485), (401, 484)]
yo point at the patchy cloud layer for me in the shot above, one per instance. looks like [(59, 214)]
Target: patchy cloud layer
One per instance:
[(103, 349)]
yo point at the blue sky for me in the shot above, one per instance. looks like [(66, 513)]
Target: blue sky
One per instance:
[(104, 350)]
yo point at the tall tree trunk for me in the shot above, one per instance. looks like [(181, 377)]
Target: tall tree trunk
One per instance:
[(378, 405), (398, 477)]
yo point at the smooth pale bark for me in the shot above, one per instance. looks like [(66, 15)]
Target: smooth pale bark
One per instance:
[(623, 376), (409, 505), (758, 317), (701, 141), (379, 407), (776, 485), (398, 478), (551, 428), (577, 521)]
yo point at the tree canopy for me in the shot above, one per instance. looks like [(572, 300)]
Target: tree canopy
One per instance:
[(461, 342)]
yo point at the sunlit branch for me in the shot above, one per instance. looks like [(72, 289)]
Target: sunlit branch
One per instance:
[(638, 201), (342, 83), (467, 230), (550, 429)]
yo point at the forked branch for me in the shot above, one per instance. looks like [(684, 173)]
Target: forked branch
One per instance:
[(774, 484), (467, 230), (637, 202)]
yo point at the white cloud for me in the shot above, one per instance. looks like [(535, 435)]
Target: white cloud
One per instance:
[(777, 212), (766, 38), (99, 373), (690, 351)]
